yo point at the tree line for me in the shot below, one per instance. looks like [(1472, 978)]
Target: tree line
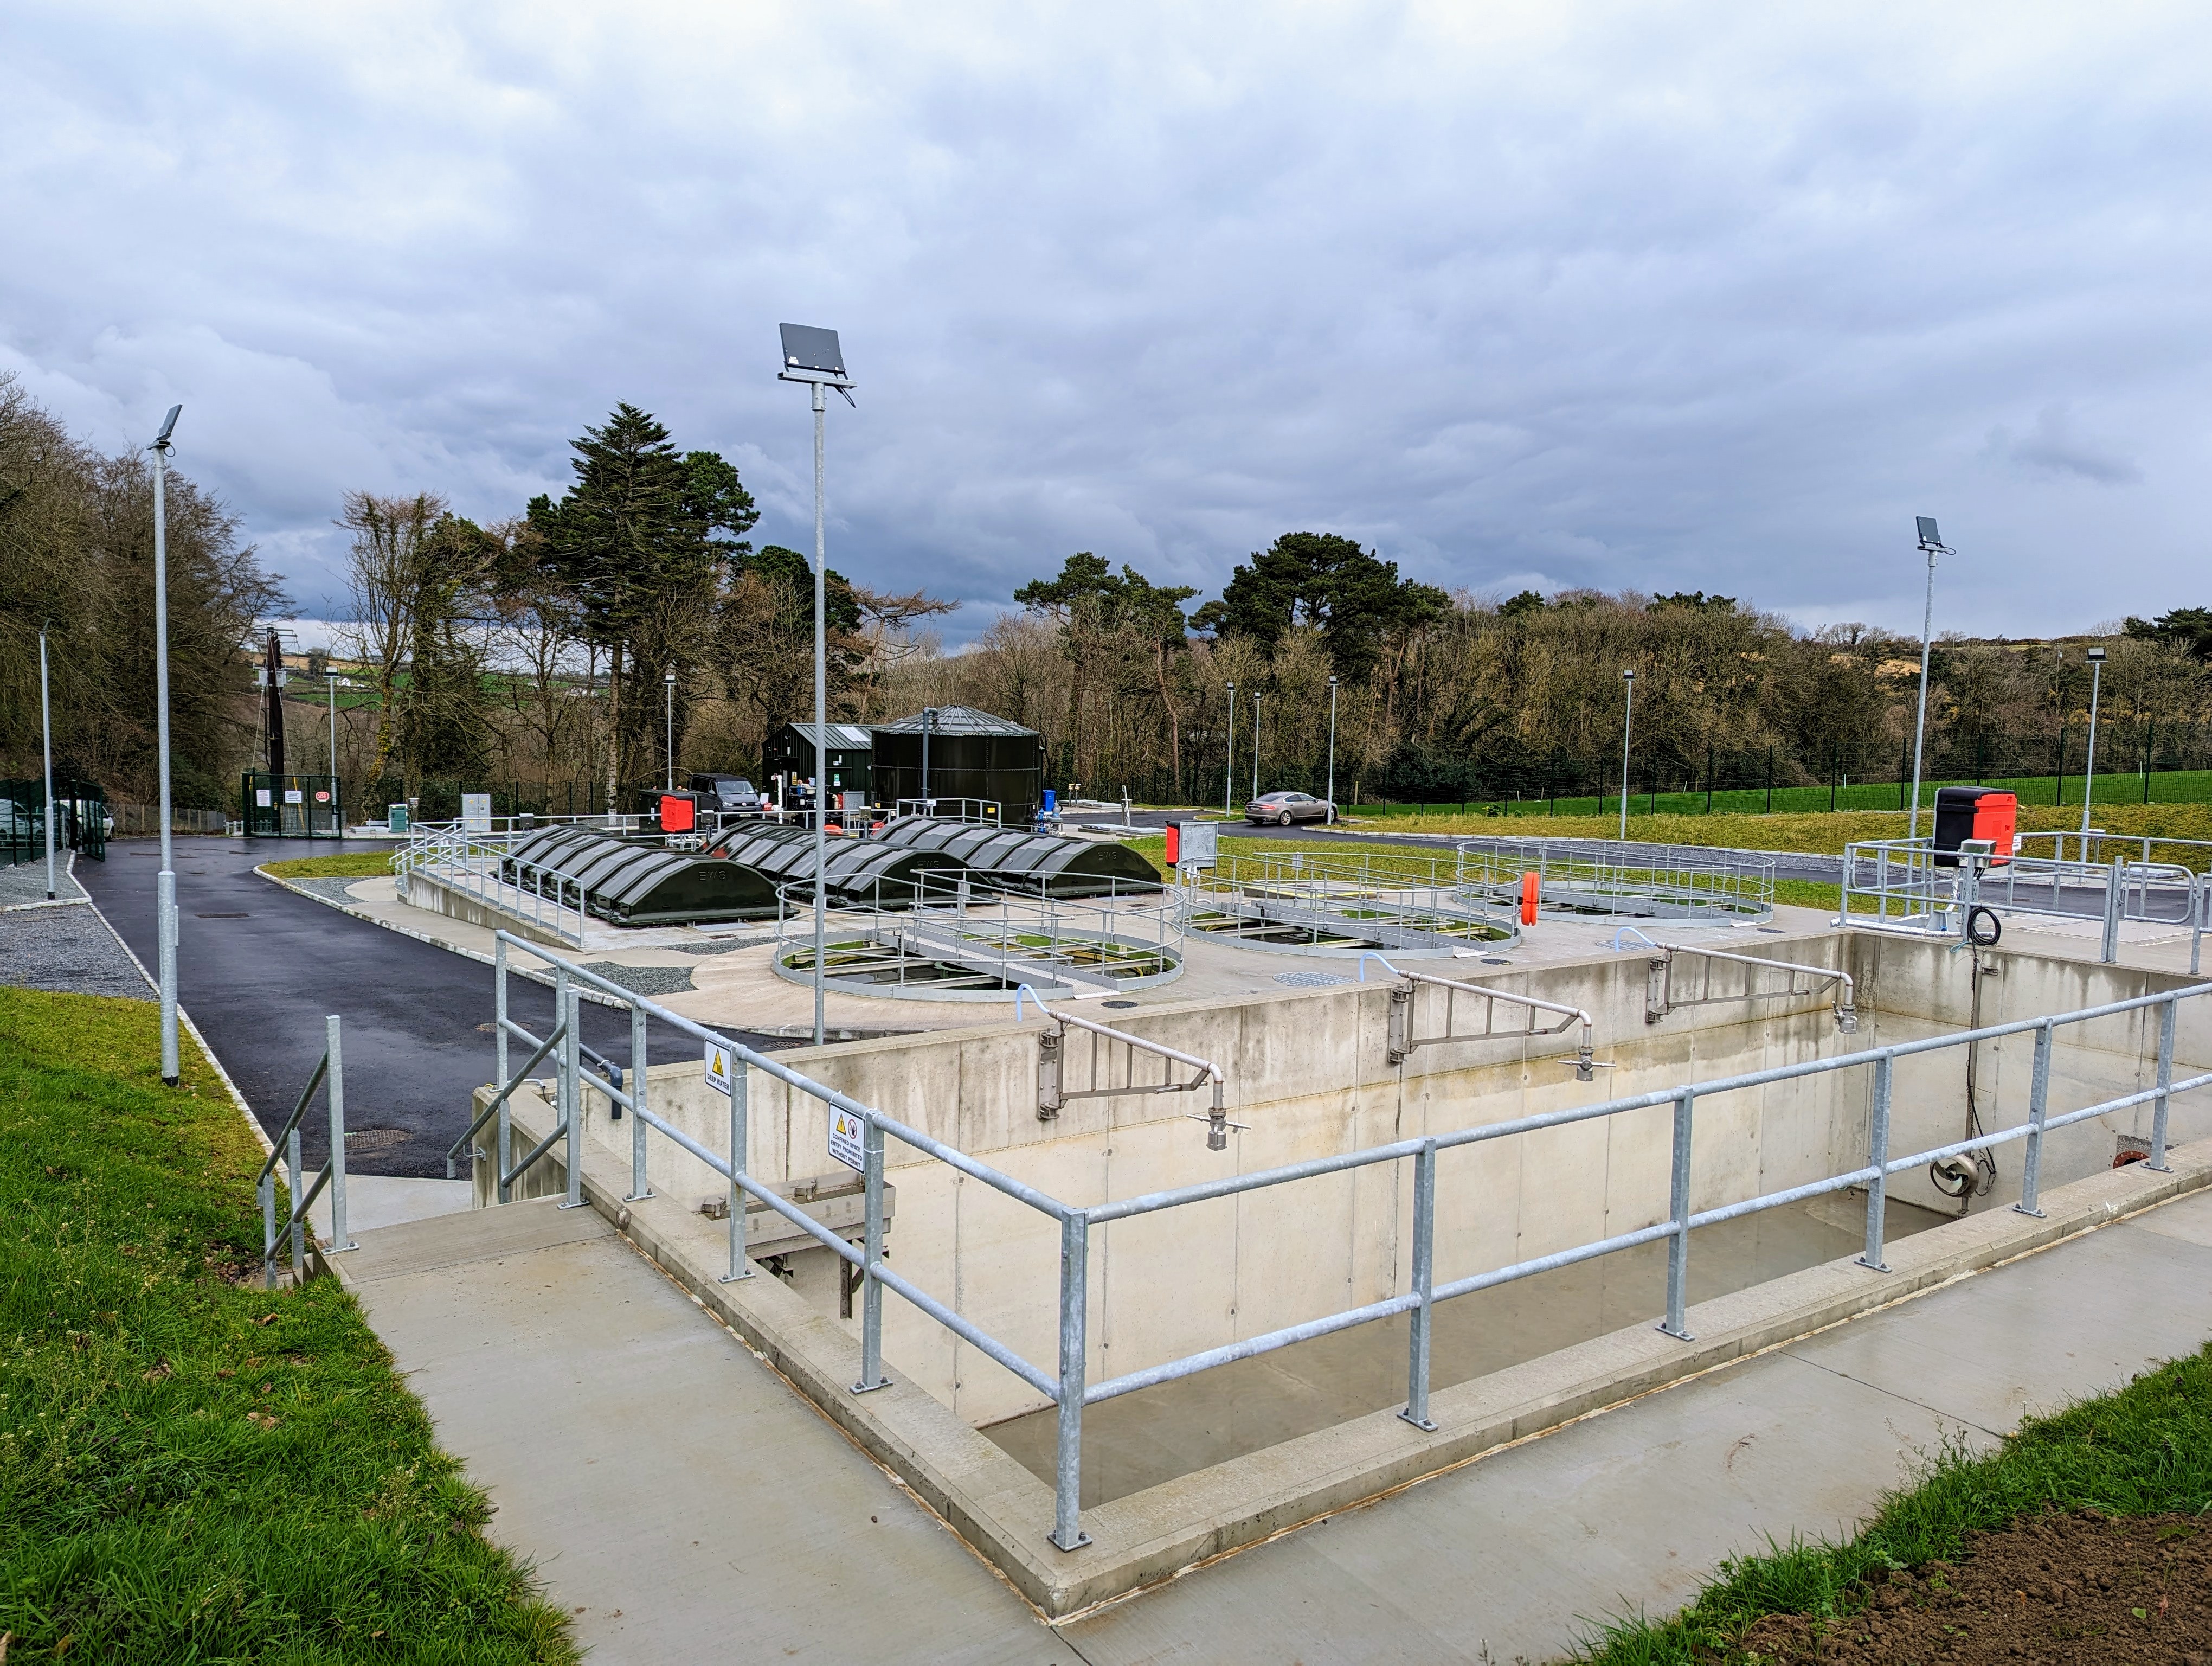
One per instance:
[(540, 648), (77, 557)]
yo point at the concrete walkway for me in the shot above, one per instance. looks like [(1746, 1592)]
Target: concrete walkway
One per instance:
[(685, 1503)]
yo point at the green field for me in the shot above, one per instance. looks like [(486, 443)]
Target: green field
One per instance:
[(2165, 786), (191, 1467)]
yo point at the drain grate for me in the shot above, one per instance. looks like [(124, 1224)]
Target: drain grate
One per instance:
[(1309, 980), (376, 1138)]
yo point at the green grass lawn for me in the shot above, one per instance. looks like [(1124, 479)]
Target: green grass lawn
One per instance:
[(2166, 787), (192, 1469), (2145, 1450), (355, 865)]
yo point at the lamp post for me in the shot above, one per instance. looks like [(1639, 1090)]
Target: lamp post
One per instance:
[(1935, 546), (1627, 724), (1255, 744), (813, 357), (1229, 769), (47, 730), (668, 687), (928, 723), (1331, 749), (165, 886), (2089, 768), (337, 810)]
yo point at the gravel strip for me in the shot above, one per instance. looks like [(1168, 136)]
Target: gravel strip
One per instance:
[(67, 949), (644, 980), (726, 947), (26, 882)]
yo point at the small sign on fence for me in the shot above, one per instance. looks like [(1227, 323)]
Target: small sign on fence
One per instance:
[(845, 1141), (476, 812), (718, 1068)]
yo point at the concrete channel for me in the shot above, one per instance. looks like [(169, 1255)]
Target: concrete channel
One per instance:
[(1231, 1457)]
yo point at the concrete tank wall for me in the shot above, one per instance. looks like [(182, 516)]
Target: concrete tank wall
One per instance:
[(1307, 1072)]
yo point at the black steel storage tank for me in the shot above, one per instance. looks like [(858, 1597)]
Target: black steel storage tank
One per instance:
[(972, 754)]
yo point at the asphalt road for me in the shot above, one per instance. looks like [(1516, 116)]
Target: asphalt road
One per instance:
[(258, 967)]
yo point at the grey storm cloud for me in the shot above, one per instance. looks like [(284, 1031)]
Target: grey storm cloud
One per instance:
[(1709, 298)]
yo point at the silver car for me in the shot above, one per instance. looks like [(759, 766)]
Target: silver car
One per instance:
[(1284, 808)]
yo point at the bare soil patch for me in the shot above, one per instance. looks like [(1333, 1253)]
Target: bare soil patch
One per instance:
[(2056, 1588)]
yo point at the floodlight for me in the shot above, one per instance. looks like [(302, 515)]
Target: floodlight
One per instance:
[(811, 354), (1928, 537), (167, 422), (1628, 675), (2096, 656)]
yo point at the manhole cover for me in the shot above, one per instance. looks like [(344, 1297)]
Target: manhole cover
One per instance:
[(1308, 980), (1493, 960), (222, 916), (1772, 931), (1117, 1003), (376, 1138)]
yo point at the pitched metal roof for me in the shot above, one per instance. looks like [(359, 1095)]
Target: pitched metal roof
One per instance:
[(843, 737), (957, 719)]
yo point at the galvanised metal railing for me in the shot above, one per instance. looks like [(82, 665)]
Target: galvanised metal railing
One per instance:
[(1005, 932), (1682, 885), (1907, 885), (1068, 1387), (478, 864), (1324, 901), (329, 1069)]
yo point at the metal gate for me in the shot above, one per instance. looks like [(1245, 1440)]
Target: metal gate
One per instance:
[(289, 807)]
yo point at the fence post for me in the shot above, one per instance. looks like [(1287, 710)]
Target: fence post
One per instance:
[(1425, 1249), (2110, 950), (639, 1185), (871, 1289), (1067, 1531), (499, 1057), (1678, 1247), (2038, 1097), (2166, 1016), (740, 1155), (334, 1084), (1878, 1160), (569, 1008)]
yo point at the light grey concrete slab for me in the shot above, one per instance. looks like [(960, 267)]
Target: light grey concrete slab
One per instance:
[(375, 1200), (2188, 1219), (1627, 1510), (676, 1496), (2075, 1320)]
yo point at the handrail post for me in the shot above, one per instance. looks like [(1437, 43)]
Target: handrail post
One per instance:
[(872, 1289), (2110, 952), (1067, 1532), (2166, 1013), (334, 1085), (1878, 1160), (268, 1190), (299, 1223), (1678, 1246), (506, 1156), (568, 1003), (640, 1187), (1425, 1236), (740, 1155), (2039, 1099)]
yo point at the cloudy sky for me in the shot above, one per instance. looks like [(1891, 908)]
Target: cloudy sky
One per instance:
[(1710, 296)]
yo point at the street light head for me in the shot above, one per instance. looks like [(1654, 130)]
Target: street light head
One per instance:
[(669, 677), (161, 440), (1928, 538), (1628, 675), (2096, 656)]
